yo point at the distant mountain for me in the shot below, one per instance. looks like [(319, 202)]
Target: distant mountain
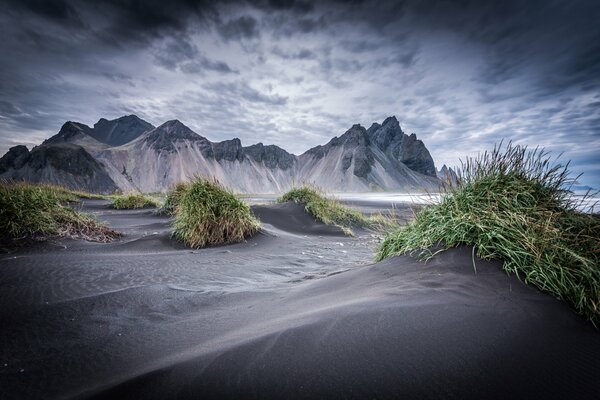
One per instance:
[(380, 158), (121, 130), (447, 175), (112, 133), (581, 188), (137, 156), (173, 152), (65, 164)]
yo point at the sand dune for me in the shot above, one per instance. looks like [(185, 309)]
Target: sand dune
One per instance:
[(297, 311)]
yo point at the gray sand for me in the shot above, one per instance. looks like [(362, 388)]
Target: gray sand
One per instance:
[(298, 311)]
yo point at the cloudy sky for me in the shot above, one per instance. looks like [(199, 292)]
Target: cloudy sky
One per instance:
[(460, 74)]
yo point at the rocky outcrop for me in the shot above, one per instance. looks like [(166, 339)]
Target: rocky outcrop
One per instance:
[(120, 131), (356, 152), (447, 175), (229, 150), (168, 135), (15, 158), (379, 158), (403, 148), (271, 156), (70, 132), (108, 133), (58, 163)]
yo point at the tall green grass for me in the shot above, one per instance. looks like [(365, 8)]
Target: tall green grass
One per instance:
[(514, 204), (37, 211), (132, 201), (173, 198), (332, 212), (207, 214)]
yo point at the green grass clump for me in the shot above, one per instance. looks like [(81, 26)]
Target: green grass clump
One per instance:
[(332, 212), (207, 214), (512, 204), (37, 211), (173, 197), (132, 201)]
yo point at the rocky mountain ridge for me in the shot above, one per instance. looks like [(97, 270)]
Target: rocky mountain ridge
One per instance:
[(135, 155)]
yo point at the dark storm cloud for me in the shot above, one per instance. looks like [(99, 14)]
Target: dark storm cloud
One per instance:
[(244, 27), (461, 73), (291, 25), (58, 10), (174, 52), (9, 109), (300, 7), (180, 53)]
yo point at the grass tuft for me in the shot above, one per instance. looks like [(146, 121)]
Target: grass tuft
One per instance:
[(173, 198), (37, 211), (207, 214), (332, 212), (513, 204), (132, 201)]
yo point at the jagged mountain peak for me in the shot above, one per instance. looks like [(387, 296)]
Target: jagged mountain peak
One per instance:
[(386, 133), (173, 124), (115, 132), (124, 118), (273, 156), (164, 137), (176, 129), (15, 158), (68, 132), (359, 146), (121, 130), (392, 121), (381, 157), (374, 126), (447, 174), (229, 150), (355, 136), (60, 163)]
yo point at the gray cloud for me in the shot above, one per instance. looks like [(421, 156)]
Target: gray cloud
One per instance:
[(244, 27), (459, 73), (295, 54), (171, 54), (240, 90), (202, 64)]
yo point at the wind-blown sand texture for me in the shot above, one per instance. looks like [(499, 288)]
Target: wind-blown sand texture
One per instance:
[(297, 311)]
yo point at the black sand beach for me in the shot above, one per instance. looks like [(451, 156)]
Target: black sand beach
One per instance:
[(298, 311)]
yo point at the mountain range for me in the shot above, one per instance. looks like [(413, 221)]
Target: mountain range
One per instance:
[(129, 154)]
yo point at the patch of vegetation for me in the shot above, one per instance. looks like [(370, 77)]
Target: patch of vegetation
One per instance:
[(207, 214), (173, 198), (132, 201), (332, 212), (512, 204), (37, 211), (86, 195)]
